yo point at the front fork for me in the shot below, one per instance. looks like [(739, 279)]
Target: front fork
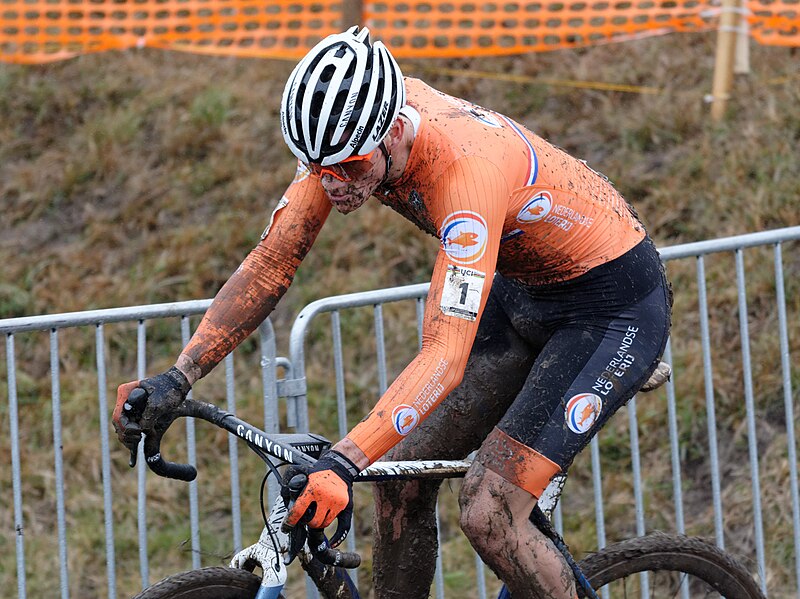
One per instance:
[(268, 553)]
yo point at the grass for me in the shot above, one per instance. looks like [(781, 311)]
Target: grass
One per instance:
[(145, 176)]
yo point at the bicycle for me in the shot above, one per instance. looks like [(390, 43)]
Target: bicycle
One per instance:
[(660, 564)]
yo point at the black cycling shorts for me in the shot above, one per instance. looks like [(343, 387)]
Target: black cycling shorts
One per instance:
[(597, 339)]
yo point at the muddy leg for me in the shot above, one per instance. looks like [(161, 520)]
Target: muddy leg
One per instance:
[(494, 516), (405, 539), (405, 518)]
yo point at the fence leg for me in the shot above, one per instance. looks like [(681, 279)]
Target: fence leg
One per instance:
[(723, 66)]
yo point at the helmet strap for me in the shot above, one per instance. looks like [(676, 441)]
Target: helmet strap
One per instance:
[(388, 157)]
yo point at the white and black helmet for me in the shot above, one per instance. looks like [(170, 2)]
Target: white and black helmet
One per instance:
[(341, 99)]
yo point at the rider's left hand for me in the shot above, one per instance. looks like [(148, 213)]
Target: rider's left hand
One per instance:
[(158, 397), (328, 494)]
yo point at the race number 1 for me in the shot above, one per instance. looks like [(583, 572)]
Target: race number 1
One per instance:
[(461, 296)]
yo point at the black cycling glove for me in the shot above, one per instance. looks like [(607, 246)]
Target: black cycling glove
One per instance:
[(135, 411)]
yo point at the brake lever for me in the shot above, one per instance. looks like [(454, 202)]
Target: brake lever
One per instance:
[(322, 550), (133, 409), (152, 451), (298, 532), (317, 543)]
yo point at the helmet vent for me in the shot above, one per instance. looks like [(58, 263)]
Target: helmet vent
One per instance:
[(327, 73), (362, 96), (316, 104), (341, 99)]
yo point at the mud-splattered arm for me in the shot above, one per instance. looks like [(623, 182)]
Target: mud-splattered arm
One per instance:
[(469, 205), (251, 293)]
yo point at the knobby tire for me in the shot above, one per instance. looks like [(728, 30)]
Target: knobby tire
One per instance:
[(205, 583), (233, 583), (659, 552)]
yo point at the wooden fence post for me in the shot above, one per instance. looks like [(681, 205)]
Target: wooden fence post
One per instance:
[(352, 13), (723, 66)]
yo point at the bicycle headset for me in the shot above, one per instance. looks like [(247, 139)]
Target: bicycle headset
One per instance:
[(341, 99)]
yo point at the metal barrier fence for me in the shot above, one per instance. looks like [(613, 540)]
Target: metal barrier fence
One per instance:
[(38, 549)]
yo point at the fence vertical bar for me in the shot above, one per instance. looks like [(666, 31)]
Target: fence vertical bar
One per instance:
[(636, 465), (55, 386), (752, 443), (296, 412), (233, 457), (481, 577), (675, 457), (788, 407), (141, 467), (597, 486), (381, 348), (194, 516), (338, 367), (633, 430), (269, 381), (705, 339), (105, 460), (341, 405), (438, 574), (16, 475), (269, 384), (293, 410)]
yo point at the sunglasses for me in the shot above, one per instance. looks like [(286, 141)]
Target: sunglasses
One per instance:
[(347, 170)]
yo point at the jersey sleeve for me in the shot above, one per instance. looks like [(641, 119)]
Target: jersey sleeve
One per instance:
[(250, 294), (469, 199)]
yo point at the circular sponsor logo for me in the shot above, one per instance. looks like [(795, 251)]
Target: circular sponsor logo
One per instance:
[(536, 208), (404, 418), (464, 235), (487, 118), (302, 172), (582, 412)]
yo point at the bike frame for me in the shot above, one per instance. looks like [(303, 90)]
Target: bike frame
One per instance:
[(303, 449)]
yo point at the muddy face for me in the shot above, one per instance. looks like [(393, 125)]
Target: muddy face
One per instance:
[(346, 196)]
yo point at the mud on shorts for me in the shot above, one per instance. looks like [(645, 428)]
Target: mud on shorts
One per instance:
[(601, 336)]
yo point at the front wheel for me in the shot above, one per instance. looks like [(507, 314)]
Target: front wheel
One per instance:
[(206, 583), (662, 565)]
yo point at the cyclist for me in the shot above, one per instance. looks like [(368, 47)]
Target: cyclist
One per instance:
[(548, 309)]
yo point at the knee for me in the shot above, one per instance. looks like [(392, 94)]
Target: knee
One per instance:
[(468, 520), (483, 514)]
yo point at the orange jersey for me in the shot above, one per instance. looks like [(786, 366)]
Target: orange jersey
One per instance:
[(498, 198)]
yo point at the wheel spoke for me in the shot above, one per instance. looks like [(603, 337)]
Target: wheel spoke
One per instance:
[(663, 584)]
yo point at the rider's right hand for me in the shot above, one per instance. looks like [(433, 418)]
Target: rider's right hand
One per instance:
[(162, 394)]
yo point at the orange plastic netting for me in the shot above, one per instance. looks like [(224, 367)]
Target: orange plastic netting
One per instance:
[(35, 31)]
